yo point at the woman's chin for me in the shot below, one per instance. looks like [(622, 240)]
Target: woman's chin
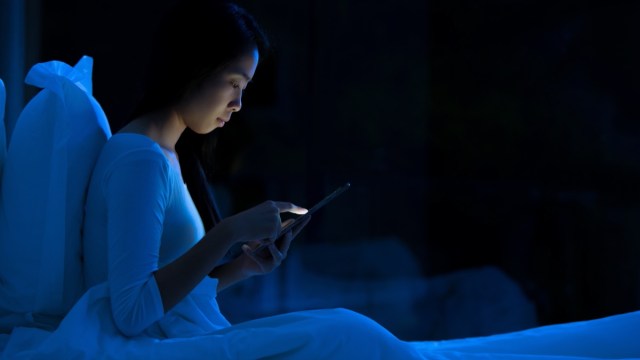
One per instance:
[(205, 131)]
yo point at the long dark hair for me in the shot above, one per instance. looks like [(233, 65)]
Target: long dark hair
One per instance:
[(194, 40)]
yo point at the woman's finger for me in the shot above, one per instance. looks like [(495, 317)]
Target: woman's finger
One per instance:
[(254, 244), (286, 243), (275, 254), (250, 252), (289, 207)]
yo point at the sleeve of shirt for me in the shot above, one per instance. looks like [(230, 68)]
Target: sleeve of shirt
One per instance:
[(137, 191)]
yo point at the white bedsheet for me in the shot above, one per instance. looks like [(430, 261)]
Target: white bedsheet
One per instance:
[(320, 334), (614, 337), (86, 333)]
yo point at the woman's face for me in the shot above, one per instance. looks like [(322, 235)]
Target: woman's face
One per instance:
[(220, 95)]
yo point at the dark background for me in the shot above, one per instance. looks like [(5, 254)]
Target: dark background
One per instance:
[(492, 132)]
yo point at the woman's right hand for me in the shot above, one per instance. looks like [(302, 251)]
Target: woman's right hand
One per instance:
[(261, 222)]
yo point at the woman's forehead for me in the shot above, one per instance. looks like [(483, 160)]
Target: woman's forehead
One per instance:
[(244, 65)]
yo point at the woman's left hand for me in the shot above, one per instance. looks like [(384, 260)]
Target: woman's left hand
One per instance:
[(271, 256)]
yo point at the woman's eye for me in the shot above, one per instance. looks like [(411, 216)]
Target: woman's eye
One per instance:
[(235, 84)]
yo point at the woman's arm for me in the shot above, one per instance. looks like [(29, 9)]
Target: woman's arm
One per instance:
[(137, 190), (228, 274), (178, 278), (249, 263)]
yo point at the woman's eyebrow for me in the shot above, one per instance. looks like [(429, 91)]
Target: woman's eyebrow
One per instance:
[(245, 76), (241, 73)]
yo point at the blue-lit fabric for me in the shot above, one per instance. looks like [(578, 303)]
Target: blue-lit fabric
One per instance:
[(52, 151), (140, 217), (316, 334), (613, 337)]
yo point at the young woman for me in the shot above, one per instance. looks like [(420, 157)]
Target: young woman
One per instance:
[(144, 238), (153, 270)]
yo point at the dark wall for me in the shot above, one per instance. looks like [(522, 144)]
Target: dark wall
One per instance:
[(493, 132), (532, 148)]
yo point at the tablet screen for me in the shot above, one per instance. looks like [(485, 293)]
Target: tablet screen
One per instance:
[(313, 209)]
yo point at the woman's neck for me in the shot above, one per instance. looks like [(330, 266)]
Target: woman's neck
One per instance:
[(162, 127)]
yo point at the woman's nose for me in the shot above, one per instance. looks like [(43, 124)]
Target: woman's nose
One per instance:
[(236, 104)]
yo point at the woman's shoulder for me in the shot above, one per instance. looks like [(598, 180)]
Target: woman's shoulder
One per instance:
[(128, 143), (129, 147)]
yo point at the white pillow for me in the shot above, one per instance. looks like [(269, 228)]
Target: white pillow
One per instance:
[(53, 148)]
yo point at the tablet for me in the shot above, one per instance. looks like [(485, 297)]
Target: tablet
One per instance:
[(302, 218)]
